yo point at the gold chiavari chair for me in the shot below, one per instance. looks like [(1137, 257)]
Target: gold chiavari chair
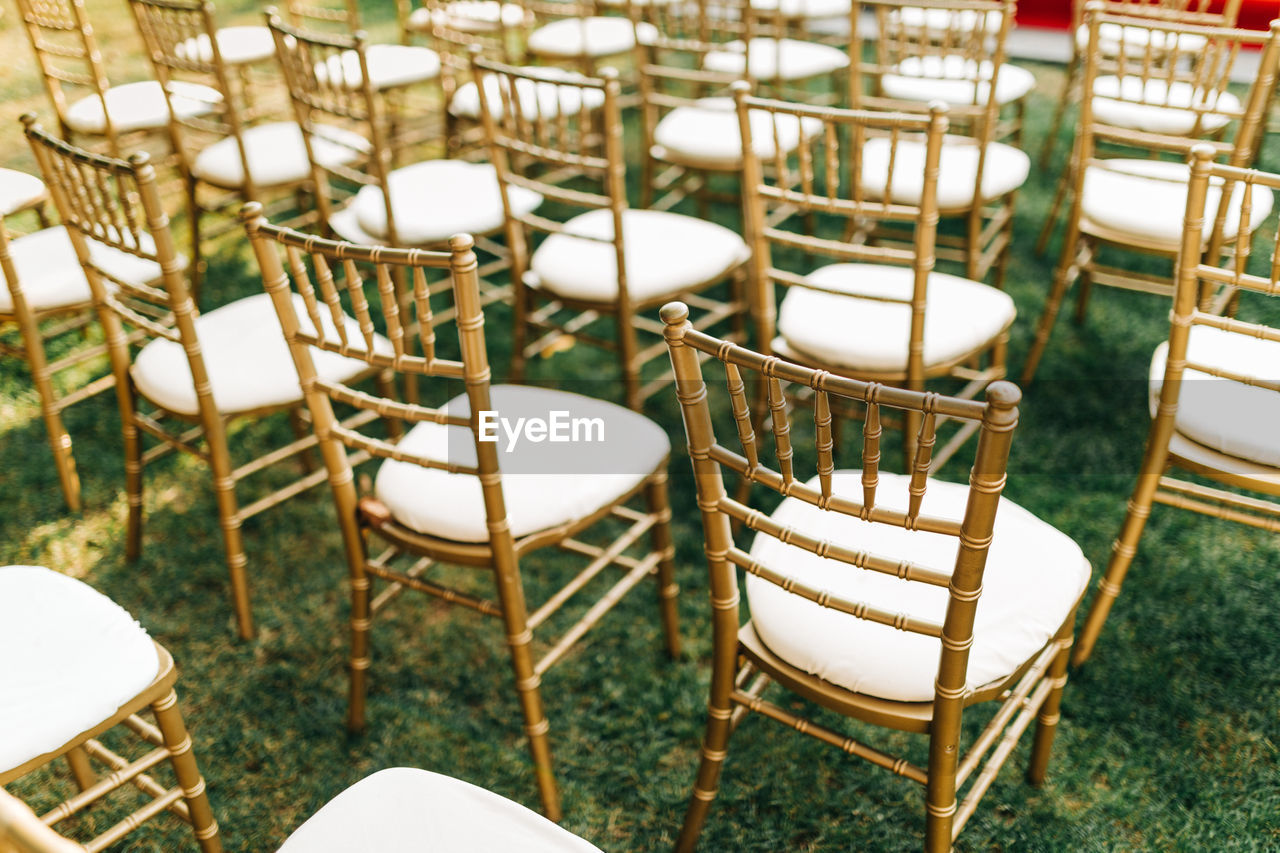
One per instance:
[(1133, 202), (446, 493), (1130, 36), (879, 313), (578, 33), (610, 263), (243, 151), (421, 204), (486, 19), (839, 576), (47, 298), (1214, 393), (96, 670), (953, 51), (88, 107), (181, 376)]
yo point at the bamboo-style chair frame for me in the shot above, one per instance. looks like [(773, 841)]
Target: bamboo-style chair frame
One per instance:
[(577, 160), (988, 225), (1167, 448), (117, 203), (743, 667), (366, 519), (824, 178), (168, 735), (1196, 12), (1209, 70), (167, 28), (67, 55)]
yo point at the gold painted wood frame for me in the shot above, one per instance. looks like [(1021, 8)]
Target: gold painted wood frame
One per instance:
[(376, 543), (117, 203), (1170, 448), (171, 742), (966, 39), (1165, 65), (743, 667)]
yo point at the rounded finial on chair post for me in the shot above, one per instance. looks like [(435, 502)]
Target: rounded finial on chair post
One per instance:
[(138, 159), (674, 313), (462, 242), (1274, 26), (29, 120), (1003, 398), (251, 215)]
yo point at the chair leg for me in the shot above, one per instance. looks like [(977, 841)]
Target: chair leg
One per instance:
[(628, 351), (233, 542), (361, 622), (714, 749), (1047, 720), (1062, 278), (59, 439), (81, 770), (132, 480), (660, 535), (1055, 207), (521, 307), (178, 742), (197, 263), (1059, 111), (306, 461), (973, 242), (1082, 298), (536, 725)]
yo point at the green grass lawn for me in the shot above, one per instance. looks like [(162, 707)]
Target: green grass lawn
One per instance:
[(1168, 738)]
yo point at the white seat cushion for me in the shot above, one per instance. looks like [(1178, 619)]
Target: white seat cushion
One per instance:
[(544, 484), (277, 155), (476, 16), (804, 8), (18, 191), (594, 36), (1222, 414), (1005, 170), (141, 106), (955, 80), (872, 335), (390, 65), (536, 99), (246, 357), (51, 276), (707, 135), (1034, 576), (776, 59), (1160, 107), (74, 658), (1147, 199), (433, 200), (666, 253), (236, 46), (406, 810), (1136, 38)]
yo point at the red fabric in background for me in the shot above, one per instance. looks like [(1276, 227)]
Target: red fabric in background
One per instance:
[(1056, 14)]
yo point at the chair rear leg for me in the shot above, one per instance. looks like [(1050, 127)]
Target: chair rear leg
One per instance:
[(81, 769), (1060, 110), (1066, 273), (178, 742), (660, 535), (51, 412), (1047, 721), (707, 784), (1123, 550), (536, 725), (233, 541)]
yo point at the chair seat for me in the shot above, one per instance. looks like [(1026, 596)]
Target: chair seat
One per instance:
[(406, 810), (141, 106), (246, 357), (955, 80), (592, 37), (804, 9), (51, 276), (666, 254), (872, 335), (1165, 108), (544, 484), (19, 191), (1225, 415), (75, 657), (236, 46), (1136, 38), (469, 16), (277, 155), (1006, 169), (1034, 576), (433, 200), (776, 59), (536, 100), (1144, 201), (390, 65), (707, 135)]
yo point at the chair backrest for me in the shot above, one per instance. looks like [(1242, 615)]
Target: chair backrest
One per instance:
[(1199, 12), (342, 16), (961, 41), (1170, 85), (838, 171), (671, 62), (330, 277), (70, 61), (318, 72), (113, 204), (22, 832), (995, 419), (182, 45), (1201, 272), (565, 146)]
